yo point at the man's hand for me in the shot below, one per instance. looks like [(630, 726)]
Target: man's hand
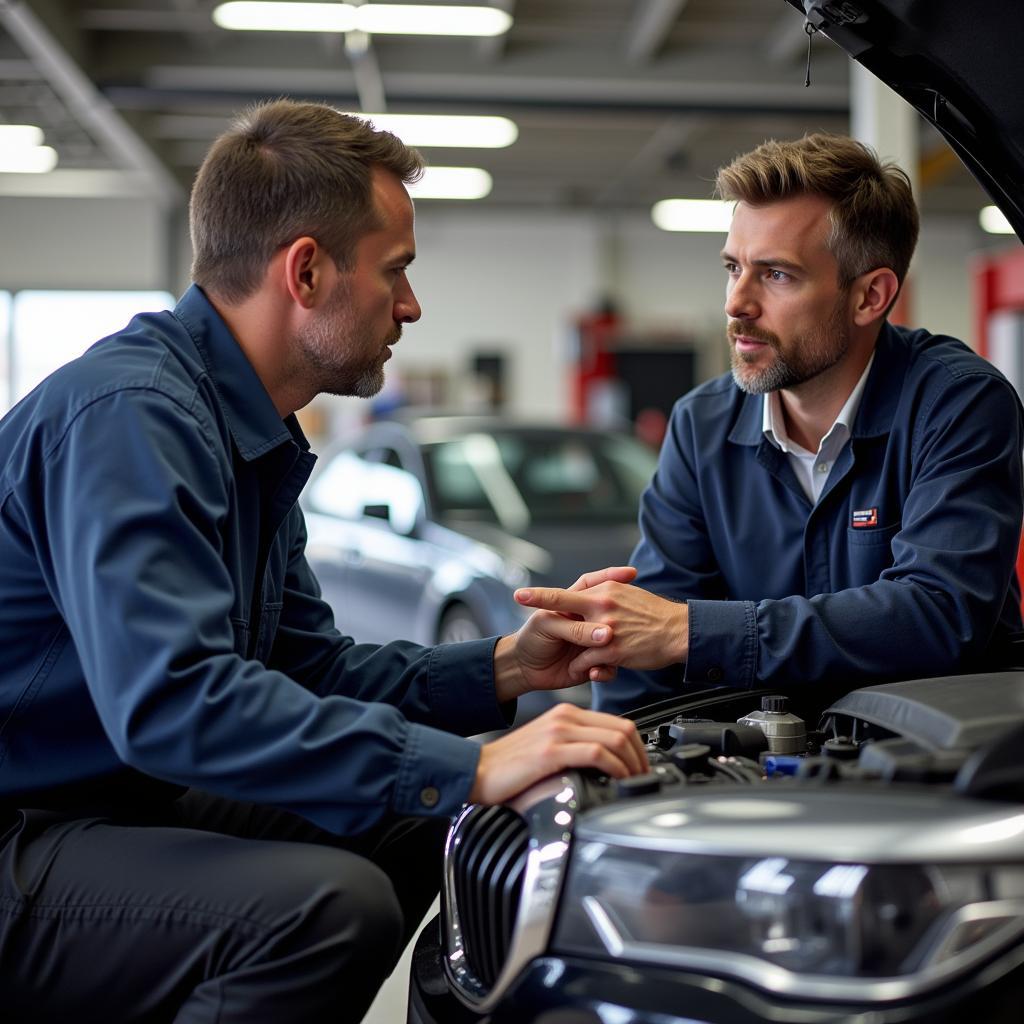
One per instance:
[(564, 737), (647, 631), (540, 655)]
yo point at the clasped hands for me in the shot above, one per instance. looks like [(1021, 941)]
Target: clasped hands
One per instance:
[(583, 632)]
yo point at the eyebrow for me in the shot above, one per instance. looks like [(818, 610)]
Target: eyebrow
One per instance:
[(766, 262)]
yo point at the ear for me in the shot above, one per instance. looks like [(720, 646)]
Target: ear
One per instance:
[(873, 293), (304, 271)]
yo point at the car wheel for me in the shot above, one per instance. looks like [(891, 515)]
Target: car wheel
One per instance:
[(458, 624)]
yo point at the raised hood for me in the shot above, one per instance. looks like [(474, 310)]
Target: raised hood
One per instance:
[(959, 63)]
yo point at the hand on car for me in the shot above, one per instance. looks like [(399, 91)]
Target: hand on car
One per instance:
[(647, 631), (540, 654), (564, 737)]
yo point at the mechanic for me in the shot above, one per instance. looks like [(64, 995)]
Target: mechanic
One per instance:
[(844, 508), (213, 805)]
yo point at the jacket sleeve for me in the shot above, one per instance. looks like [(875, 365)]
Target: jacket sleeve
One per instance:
[(450, 687), (935, 609), (132, 496)]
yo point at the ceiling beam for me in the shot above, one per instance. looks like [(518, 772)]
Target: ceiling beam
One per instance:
[(651, 25), (420, 88), (93, 111)]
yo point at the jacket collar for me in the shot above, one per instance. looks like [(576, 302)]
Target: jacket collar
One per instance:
[(253, 420), (877, 404)]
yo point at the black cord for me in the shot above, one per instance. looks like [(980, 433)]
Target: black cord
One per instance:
[(810, 30)]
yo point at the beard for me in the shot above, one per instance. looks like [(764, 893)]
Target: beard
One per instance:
[(808, 354), (342, 356)]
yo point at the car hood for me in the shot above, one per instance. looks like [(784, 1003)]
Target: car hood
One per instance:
[(956, 62), (557, 556)]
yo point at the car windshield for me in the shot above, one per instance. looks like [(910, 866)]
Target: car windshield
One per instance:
[(521, 478)]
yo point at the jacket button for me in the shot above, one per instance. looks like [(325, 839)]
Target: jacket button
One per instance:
[(715, 674), (429, 796)]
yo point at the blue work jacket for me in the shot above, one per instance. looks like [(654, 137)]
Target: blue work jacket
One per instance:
[(904, 568), (159, 623)]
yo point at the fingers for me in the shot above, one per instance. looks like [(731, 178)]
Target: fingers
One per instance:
[(564, 737), (576, 631), (616, 573)]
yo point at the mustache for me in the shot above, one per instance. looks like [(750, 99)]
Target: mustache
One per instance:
[(734, 329), (394, 336)]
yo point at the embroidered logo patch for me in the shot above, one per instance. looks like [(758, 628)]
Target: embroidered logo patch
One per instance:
[(865, 517)]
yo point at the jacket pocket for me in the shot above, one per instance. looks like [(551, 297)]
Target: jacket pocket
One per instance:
[(874, 537), (269, 619)]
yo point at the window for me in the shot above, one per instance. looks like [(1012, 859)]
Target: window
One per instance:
[(50, 328)]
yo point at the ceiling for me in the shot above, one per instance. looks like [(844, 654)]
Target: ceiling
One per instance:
[(619, 102)]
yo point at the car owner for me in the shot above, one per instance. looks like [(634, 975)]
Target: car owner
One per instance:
[(844, 508), (213, 805)]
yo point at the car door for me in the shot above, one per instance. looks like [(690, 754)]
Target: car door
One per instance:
[(364, 544)]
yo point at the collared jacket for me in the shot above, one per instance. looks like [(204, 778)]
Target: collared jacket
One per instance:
[(904, 568), (159, 624)]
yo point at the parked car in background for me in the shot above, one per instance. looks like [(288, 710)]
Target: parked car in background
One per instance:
[(422, 530)]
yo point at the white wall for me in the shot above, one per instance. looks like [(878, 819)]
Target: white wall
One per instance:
[(82, 243), (498, 280)]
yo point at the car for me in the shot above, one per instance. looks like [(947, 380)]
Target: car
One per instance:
[(422, 529), (811, 855)]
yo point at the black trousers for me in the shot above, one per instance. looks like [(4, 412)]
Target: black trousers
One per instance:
[(204, 911)]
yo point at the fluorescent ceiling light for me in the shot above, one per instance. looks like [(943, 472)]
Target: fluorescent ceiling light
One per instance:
[(448, 130), (452, 183), (693, 215), (397, 19), (33, 160), (428, 20), (994, 221), (20, 136)]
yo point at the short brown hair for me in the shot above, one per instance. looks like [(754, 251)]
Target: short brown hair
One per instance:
[(874, 217), (283, 170)]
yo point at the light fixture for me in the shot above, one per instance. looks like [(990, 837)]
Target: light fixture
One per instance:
[(390, 19), (29, 160), (448, 130), (712, 215), (994, 221), (20, 136), (452, 183)]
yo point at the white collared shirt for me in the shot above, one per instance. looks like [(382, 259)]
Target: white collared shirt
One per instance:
[(812, 469)]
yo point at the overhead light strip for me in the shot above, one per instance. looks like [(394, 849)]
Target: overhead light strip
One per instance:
[(20, 136), (456, 131), (452, 183), (994, 221), (30, 160), (383, 19), (698, 215)]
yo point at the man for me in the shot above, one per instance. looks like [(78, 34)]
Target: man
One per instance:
[(844, 508), (205, 789)]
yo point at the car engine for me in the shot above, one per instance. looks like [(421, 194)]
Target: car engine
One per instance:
[(764, 816)]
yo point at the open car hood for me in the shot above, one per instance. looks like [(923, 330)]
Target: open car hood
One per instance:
[(958, 63)]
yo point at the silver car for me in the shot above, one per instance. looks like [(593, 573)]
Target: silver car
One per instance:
[(423, 530)]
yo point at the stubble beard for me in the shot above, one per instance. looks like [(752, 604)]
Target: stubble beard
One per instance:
[(810, 354), (341, 355)]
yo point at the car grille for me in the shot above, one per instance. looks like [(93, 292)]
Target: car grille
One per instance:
[(488, 863)]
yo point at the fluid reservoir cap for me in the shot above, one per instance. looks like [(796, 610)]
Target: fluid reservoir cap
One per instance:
[(638, 785), (776, 704), (840, 748)]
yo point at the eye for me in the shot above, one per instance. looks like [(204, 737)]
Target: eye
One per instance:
[(779, 276), (731, 268)]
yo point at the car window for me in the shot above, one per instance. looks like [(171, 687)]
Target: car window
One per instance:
[(517, 478), (349, 484)]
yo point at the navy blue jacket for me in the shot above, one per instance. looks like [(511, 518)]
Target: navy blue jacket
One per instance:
[(158, 619), (904, 567)]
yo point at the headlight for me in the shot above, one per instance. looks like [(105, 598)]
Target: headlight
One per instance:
[(800, 927)]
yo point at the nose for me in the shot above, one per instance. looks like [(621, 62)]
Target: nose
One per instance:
[(740, 301), (407, 307)]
